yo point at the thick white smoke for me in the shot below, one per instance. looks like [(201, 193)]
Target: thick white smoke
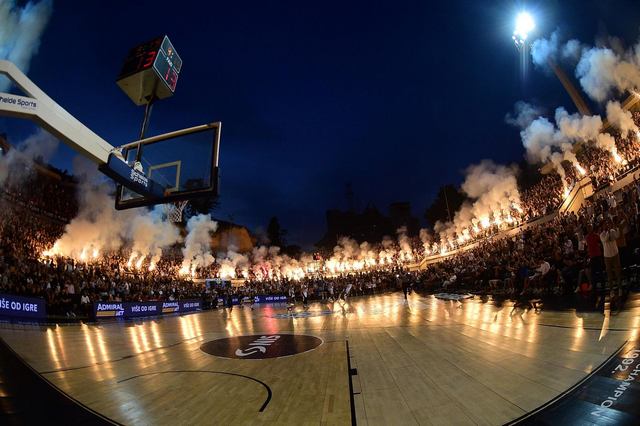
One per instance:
[(602, 71), (539, 138), (492, 186), (197, 245), (21, 28), (524, 115), (620, 119), (493, 196), (576, 127), (17, 164), (552, 49), (406, 252), (545, 141), (99, 228), (544, 49), (151, 232)]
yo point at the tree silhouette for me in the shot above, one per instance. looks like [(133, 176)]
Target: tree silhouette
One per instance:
[(275, 233)]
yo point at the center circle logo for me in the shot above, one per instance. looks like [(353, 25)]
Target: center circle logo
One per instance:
[(260, 346)]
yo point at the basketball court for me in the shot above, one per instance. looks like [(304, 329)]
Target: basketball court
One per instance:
[(428, 361)]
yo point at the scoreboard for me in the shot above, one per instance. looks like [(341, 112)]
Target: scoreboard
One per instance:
[(140, 58), (147, 65), (167, 64)]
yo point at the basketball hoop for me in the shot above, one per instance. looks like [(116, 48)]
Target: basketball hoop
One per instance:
[(174, 210)]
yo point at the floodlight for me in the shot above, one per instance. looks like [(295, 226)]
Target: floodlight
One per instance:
[(524, 25)]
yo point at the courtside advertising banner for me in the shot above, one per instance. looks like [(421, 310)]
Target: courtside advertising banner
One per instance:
[(143, 309), (190, 305), (23, 307), (271, 299), (258, 299)]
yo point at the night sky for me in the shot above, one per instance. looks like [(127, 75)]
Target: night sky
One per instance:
[(396, 98)]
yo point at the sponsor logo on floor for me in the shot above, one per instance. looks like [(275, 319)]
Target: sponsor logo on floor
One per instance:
[(261, 346), (611, 395)]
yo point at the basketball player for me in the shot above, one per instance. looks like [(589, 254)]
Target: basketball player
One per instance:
[(345, 292), (305, 295), (292, 298), (240, 295), (406, 289), (230, 300), (331, 295)]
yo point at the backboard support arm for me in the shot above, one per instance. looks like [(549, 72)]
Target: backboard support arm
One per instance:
[(43, 110)]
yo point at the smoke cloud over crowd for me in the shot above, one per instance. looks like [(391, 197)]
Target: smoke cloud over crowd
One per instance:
[(21, 27), (17, 164)]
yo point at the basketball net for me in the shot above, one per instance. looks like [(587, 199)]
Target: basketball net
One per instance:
[(174, 210)]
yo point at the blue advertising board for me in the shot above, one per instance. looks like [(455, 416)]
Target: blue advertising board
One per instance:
[(261, 298), (143, 309), (271, 299), (190, 305), (23, 307)]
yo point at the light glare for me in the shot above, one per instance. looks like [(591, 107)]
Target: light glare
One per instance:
[(524, 24)]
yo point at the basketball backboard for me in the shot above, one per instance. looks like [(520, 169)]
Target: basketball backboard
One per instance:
[(180, 165)]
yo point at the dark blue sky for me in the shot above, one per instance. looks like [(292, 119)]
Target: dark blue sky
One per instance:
[(395, 97)]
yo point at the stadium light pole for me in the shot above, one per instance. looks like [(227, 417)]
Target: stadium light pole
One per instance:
[(524, 26)]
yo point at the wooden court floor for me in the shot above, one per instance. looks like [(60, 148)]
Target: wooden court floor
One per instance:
[(427, 361)]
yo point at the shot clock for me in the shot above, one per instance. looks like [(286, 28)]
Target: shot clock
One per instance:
[(150, 71)]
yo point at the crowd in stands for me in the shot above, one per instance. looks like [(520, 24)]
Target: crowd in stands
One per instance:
[(566, 255), (574, 253), (61, 204), (602, 170), (542, 198), (70, 287)]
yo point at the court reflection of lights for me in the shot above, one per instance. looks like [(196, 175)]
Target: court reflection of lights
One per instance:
[(495, 324), (605, 325), (134, 339), (88, 338), (104, 354), (578, 333), (190, 325), (633, 334), (532, 327), (143, 337), (53, 350), (57, 353), (447, 315), (157, 339), (248, 317), (196, 323), (433, 309), (186, 327)]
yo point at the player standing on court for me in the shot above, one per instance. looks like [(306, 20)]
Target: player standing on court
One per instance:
[(292, 297), (305, 295), (346, 291)]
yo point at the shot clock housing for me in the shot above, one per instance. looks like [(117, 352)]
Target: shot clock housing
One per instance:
[(150, 71)]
